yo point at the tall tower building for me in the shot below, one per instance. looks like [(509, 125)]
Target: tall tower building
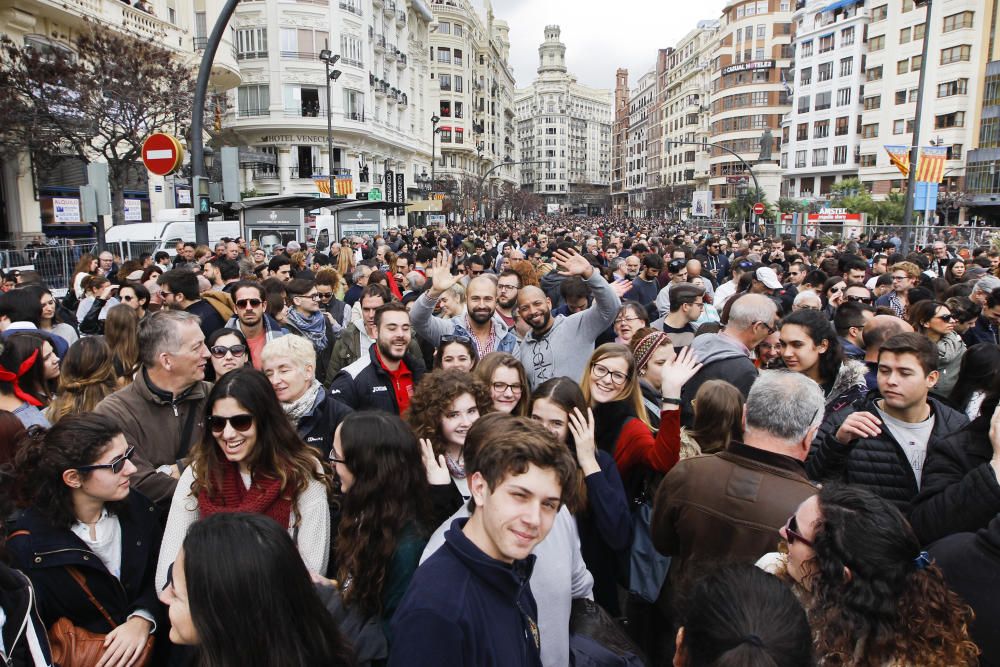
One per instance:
[(619, 144)]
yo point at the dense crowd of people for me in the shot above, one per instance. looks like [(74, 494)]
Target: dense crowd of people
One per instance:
[(567, 442)]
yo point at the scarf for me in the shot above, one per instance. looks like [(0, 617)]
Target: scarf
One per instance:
[(609, 420), (313, 328), (13, 377), (263, 497), (299, 408)]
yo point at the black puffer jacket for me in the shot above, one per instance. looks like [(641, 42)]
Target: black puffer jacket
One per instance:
[(317, 426), (960, 492), (877, 464)]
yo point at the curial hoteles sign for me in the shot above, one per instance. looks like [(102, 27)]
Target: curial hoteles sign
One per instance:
[(750, 66)]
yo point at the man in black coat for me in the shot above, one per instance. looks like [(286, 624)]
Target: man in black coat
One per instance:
[(881, 442)]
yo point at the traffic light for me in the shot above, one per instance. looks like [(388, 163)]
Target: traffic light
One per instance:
[(202, 198)]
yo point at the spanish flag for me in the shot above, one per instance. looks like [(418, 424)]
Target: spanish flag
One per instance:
[(930, 166), (900, 157)]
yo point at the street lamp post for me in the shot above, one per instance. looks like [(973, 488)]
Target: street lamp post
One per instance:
[(329, 60), (508, 162), (756, 185), (435, 119)]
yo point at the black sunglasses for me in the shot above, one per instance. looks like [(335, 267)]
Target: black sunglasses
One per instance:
[(115, 466), (219, 351), (860, 299), (240, 422), (792, 530), (253, 303)]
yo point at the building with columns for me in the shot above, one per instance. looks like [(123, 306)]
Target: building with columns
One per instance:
[(566, 127), (619, 143), (380, 105)]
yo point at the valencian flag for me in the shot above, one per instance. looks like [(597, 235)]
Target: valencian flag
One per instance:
[(930, 166), (344, 186), (899, 156), (323, 185)]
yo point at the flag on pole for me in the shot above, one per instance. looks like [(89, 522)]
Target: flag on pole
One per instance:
[(899, 156), (930, 166), (323, 185)]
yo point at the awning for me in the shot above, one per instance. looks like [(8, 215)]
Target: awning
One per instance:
[(839, 4), (460, 129), (445, 128), (829, 34)]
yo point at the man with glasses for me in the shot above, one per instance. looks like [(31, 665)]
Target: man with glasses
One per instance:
[(714, 260), (508, 284), (473, 267), (858, 293), (687, 303), (849, 321), (729, 506), (160, 413), (251, 319), (106, 266), (340, 313), (307, 319), (904, 278), (179, 291)]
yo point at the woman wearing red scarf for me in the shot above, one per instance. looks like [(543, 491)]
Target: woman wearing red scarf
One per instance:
[(251, 460)]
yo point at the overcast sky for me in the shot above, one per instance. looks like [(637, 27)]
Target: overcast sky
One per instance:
[(600, 37)]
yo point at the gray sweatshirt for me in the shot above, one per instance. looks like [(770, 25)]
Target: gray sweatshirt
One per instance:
[(559, 577), (565, 348)]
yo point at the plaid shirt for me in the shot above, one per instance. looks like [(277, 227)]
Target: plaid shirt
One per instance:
[(491, 342)]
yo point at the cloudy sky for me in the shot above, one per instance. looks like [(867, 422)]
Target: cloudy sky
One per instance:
[(600, 36)]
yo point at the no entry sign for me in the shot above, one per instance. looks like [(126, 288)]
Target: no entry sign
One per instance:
[(758, 208), (162, 154)]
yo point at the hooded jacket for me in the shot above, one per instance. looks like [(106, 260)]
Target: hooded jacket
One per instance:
[(25, 643), (722, 358), (317, 426), (465, 609)]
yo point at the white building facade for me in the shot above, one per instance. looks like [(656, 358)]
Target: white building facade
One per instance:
[(641, 103)]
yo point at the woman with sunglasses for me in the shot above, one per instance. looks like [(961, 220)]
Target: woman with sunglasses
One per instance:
[(456, 352), (84, 532), (833, 294), (136, 297), (507, 381), (610, 387), (229, 351), (250, 459), (934, 320), (873, 598)]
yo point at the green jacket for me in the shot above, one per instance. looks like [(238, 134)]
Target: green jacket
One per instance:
[(347, 350)]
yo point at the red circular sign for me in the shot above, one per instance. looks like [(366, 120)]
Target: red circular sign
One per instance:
[(162, 154), (758, 208)]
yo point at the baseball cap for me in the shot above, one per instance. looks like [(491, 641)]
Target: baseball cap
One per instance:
[(766, 275)]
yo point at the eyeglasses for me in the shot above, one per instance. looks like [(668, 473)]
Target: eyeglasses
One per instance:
[(251, 303), (836, 290), (502, 387), (128, 299), (623, 320), (792, 530), (455, 338), (600, 372), (115, 466), (859, 299), (506, 288), (164, 293), (771, 328), (219, 351), (902, 277), (240, 423), (314, 297)]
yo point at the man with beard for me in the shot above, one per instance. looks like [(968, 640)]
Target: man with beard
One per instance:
[(384, 378), (508, 285), (481, 324), (560, 346)]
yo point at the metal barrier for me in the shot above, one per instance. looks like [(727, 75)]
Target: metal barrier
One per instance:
[(920, 235), (54, 262)]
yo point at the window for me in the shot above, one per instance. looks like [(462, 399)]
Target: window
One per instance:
[(957, 21), (840, 154), (821, 129), (805, 76), (918, 31), (807, 48), (955, 54), (956, 87), (847, 36), (823, 100), (458, 109), (900, 97), (759, 99), (352, 50), (869, 131), (253, 100), (302, 43), (251, 43), (880, 13), (901, 126), (804, 104), (843, 96), (907, 6), (954, 119), (955, 152), (761, 31), (444, 28), (842, 126), (445, 134), (444, 55), (800, 159), (458, 57), (459, 136), (458, 81), (445, 108), (902, 67), (824, 72), (819, 157), (876, 43), (444, 80), (802, 131), (867, 160), (826, 43), (915, 62), (354, 104), (873, 73), (846, 66)]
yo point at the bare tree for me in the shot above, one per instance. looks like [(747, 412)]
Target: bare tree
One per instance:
[(99, 103)]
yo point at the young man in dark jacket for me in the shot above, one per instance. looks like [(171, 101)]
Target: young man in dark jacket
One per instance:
[(881, 442), (470, 605)]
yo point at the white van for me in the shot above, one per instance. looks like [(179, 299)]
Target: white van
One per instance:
[(172, 225)]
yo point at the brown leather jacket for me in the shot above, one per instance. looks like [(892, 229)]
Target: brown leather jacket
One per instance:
[(726, 507)]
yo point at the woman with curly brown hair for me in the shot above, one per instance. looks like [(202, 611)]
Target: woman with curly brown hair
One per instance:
[(444, 407), (874, 599), (385, 514), (250, 459), (86, 376)]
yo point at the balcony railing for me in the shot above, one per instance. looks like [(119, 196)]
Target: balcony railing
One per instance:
[(379, 43), (352, 62), (358, 116), (390, 51), (247, 113), (350, 7), (401, 18), (403, 100), (299, 55), (306, 110), (401, 61), (251, 55), (378, 3), (265, 174), (381, 88), (390, 8)]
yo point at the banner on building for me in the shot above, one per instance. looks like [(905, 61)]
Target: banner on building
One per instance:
[(323, 185), (344, 186), (401, 192), (133, 210), (65, 209), (899, 156), (701, 203), (930, 164)]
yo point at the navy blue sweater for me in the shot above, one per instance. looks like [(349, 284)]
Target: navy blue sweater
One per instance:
[(465, 609)]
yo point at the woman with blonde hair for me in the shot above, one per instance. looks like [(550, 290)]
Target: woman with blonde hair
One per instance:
[(345, 267), (121, 331), (86, 376), (504, 375)]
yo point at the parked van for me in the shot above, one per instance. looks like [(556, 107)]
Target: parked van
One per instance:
[(171, 225)]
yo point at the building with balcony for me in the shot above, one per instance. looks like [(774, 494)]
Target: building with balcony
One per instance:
[(961, 34), (619, 144), (750, 68), (820, 138), (566, 128), (640, 107), (181, 26), (473, 96), (379, 107), (685, 87)]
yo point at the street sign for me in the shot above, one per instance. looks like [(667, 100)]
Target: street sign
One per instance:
[(162, 154), (374, 195), (758, 208)]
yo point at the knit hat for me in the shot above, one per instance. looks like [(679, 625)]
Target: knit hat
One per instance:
[(645, 348)]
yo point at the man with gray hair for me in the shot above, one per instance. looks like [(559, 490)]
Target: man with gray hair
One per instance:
[(729, 506), (161, 412), (985, 330), (726, 355)]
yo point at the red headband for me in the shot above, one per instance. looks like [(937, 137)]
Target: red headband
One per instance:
[(7, 376)]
